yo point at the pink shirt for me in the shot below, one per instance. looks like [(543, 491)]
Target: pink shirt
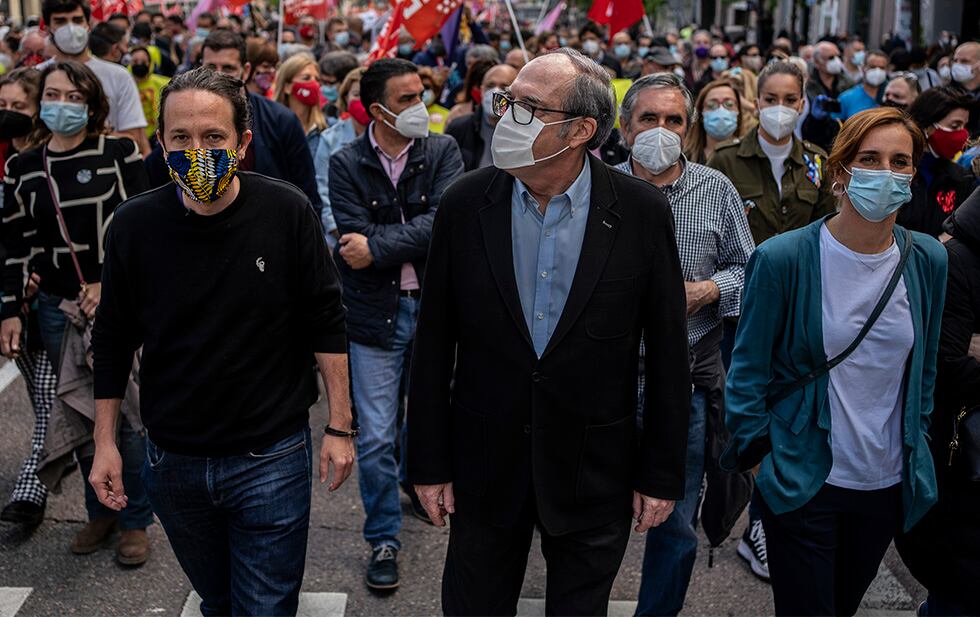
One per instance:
[(394, 168)]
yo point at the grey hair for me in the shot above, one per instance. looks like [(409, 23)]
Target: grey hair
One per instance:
[(482, 52), (590, 96), (657, 80)]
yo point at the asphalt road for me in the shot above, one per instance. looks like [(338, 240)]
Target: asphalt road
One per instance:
[(39, 576)]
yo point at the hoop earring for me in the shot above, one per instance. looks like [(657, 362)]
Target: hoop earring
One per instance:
[(837, 189)]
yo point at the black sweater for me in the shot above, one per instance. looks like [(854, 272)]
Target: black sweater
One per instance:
[(229, 310), (91, 180)]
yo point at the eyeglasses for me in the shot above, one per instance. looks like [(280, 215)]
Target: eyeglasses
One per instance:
[(728, 104), (522, 111), (905, 76)]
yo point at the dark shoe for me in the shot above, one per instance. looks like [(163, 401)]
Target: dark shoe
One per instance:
[(93, 535), (752, 549), (24, 513), (134, 547), (382, 572)]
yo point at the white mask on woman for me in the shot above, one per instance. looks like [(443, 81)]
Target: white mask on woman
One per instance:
[(778, 120)]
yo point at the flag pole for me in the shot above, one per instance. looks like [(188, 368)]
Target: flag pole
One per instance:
[(544, 9), (646, 23), (517, 30), (282, 18)]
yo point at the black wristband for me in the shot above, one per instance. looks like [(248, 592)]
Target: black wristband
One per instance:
[(335, 433)]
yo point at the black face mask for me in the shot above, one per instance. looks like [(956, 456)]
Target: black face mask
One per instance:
[(14, 124), (140, 70), (897, 106)]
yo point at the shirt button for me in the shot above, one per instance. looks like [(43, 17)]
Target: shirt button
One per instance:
[(784, 209), (544, 274), (547, 233), (537, 377), (540, 316), (389, 321)]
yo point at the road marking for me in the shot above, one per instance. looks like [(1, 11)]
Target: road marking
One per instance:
[(534, 607), (310, 605), (8, 373), (12, 598)]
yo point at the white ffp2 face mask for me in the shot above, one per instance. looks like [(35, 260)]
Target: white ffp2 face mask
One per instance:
[(778, 120), (875, 77), (961, 72), (513, 144), (657, 149), (412, 123), (71, 39)]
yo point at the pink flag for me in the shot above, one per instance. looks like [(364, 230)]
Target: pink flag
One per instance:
[(549, 20)]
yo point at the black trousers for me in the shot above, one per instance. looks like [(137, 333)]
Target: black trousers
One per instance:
[(824, 555), (485, 566)]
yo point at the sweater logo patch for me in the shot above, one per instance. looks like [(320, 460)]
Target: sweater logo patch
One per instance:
[(260, 264), (84, 176)]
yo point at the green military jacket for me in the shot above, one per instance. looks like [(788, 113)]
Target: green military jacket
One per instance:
[(806, 194)]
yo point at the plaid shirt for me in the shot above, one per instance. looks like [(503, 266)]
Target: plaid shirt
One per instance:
[(713, 239)]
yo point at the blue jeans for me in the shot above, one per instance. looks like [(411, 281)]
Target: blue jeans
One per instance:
[(137, 514), (376, 375), (668, 558), (238, 524)]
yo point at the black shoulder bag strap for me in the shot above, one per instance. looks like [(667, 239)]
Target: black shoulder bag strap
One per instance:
[(819, 372)]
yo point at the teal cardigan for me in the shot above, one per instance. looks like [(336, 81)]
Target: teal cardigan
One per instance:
[(780, 337)]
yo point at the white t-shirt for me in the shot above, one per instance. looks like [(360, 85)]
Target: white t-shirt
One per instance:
[(125, 108), (867, 390), (777, 159)]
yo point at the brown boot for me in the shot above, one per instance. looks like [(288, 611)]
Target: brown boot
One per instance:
[(134, 547), (91, 537)]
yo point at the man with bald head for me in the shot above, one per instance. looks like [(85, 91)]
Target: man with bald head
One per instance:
[(965, 71), (473, 132), (515, 58), (544, 271), (826, 83)]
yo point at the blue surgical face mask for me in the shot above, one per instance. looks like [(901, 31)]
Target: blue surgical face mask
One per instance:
[(719, 64), (858, 59), (329, 93), (202, 33), (623, 51), (562, 41), (405, 49), (64, 118), (505, 45), (642, 51), (341, 39), (428, 97), (877, 193), (720, 123)]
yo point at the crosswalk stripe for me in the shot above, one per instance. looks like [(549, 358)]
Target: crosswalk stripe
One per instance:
[(311, 604), (12, 598), (8, 373), (534, 607)]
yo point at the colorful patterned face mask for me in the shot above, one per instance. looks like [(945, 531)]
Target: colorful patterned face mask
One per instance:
[(203, 174)]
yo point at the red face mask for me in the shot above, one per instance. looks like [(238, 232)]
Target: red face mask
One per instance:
[(357, 111), (946, 143), (476, 95), (307, 32), (306, 92)]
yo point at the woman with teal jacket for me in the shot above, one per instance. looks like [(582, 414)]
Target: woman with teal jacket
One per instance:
[(844, 459)]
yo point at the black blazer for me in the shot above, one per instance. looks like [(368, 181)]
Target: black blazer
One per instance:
[(486, 414)]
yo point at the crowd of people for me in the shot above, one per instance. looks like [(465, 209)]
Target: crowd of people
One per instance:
[(553, 281)]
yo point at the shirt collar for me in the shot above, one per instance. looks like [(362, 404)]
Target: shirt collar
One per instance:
[(677, 184), (577, 193), (379, 151)]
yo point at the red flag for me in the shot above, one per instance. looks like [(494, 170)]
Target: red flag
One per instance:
[(424, 18), (295, 9), (618, 14), (387, 41)]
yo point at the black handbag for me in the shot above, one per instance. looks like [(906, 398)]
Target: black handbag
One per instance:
[(965, 445)]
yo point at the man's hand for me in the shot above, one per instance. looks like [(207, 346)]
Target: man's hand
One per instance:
[(650, 512), (700, 295), (33, 284), (355, 251), (438, 501), (106, 477), (89, 299), (339, 453), (975, 347), (10, 330)]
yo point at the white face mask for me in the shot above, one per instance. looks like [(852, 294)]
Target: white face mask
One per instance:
[(71, 39), (875, 77), (657, 149), (412, 123), (778, 121), (961, 72), (590, 47), (488, 102), (944, 73), (835, 66), (513, 144)]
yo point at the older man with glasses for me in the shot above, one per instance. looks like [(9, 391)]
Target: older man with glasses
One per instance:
[(543, 273)]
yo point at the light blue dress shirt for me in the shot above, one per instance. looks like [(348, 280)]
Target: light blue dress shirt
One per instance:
[(546, 250)]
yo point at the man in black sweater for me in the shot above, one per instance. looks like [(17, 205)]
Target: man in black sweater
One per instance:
[(225, 282)]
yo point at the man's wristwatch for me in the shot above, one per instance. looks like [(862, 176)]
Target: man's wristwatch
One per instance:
[(336, 433)]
